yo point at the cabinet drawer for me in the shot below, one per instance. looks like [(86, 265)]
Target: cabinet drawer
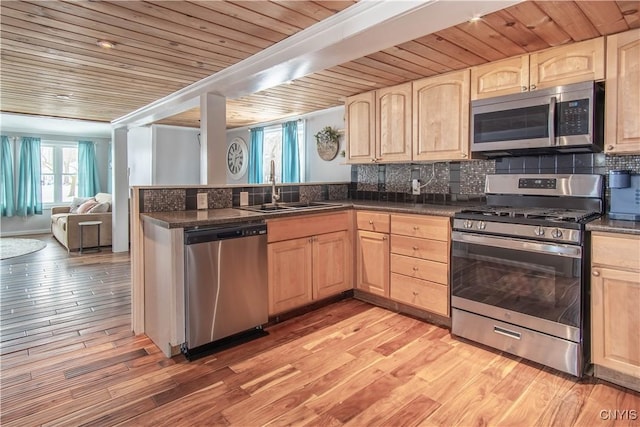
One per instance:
[(423, 294), (428, 227), (306, 225), (617, 250), (372, 221), (434, 250), (420, 268)]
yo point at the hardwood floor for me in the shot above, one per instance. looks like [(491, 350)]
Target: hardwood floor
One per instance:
[(69, 359)]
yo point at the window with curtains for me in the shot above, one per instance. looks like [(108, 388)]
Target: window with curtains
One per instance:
[(59, 171), (272, 149)]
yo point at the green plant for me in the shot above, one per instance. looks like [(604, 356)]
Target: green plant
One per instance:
[(327, 134)]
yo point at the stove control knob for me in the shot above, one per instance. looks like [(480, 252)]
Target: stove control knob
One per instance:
[(538, 231), (481, 225), (556, 233), (467, 224)]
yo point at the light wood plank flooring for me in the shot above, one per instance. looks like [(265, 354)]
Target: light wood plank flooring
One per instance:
[(69, 359)]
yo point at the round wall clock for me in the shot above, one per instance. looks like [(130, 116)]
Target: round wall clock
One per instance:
[(237, 158)]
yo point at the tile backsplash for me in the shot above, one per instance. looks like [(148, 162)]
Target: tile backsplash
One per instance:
[(440, 181), (185, 199), (464, 181)]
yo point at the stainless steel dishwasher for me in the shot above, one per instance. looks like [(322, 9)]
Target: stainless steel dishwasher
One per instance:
[(226, 286)]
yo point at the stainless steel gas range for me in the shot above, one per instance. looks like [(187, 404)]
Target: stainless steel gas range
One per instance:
[(519, 267)]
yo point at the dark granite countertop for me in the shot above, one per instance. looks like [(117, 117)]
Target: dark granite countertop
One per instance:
[(188, 219), (614, 226)]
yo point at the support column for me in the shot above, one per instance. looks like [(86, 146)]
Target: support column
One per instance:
[(120, 185), (213, 139)]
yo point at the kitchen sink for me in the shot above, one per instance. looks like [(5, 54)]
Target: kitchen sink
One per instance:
[(288, 206)]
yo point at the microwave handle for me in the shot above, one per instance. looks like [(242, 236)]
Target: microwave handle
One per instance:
[(552, 120)]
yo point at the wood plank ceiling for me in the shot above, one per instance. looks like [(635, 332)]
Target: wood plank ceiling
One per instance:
[(49, 52)]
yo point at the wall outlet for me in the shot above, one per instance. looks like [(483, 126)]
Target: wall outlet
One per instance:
[(244, 198), (415, 186), (203, 201)]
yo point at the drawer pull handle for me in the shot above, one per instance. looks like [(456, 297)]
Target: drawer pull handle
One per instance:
[(384, 237), (415, 248), (415, 228), (370, 222), (415, 294), (596, 273), (415, 268), (506, 332)]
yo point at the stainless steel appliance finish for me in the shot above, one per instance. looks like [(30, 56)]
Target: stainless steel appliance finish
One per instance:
[(518, 276), (566, 118), (625, 196), (560, 354), (225, 282)]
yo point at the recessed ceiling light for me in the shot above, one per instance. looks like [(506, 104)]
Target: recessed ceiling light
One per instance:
[(105, 44), (63, 97)]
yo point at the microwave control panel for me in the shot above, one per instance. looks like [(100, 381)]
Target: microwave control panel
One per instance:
[(573, 117)]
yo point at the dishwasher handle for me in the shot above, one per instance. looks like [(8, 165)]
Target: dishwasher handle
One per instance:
[(213, 234)]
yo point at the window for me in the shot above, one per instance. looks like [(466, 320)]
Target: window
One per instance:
[(59, 171), (272, 150)]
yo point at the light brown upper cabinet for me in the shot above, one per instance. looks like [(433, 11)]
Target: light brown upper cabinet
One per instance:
[(556, 66), (360, 118), (393, 136), (441, 117), (622, 103), (379, 125)]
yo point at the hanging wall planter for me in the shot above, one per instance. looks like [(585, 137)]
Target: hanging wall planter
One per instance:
[(327, 143)]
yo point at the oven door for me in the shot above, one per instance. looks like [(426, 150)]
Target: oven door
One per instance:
[(532, 284)]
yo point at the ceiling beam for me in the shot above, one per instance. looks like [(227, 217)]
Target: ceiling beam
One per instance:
[(360, 30)]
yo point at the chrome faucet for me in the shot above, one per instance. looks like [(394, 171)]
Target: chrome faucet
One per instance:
[(272, 178)]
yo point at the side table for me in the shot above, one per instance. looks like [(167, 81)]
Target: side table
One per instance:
[(84, 224)]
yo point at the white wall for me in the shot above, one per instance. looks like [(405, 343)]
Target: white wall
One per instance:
[(244, 134), (163, 155), (139, 156), (317, 170), (176, 155)]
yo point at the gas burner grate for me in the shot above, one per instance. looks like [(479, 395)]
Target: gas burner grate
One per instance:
[(555, 215)]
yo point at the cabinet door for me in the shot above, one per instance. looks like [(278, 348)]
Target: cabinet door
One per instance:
[(615, 320), (500, 78), (441, 117), (577, 62), (360, 116), (331, 264), (393, 136), (373, 263), (290, 274), (622, 109)]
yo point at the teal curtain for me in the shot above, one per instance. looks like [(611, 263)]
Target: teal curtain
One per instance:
[(29, 197), (88, 177), (6, 187), (290, 155), (255, 156)]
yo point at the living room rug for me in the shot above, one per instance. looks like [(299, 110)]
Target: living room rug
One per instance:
[(10, 247)]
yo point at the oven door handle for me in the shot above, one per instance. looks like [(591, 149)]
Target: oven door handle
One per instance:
[(522, 245)]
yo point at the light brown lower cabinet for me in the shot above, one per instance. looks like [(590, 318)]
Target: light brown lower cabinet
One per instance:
[(373, 263), (615, 308), (309, 258), (420, 262)]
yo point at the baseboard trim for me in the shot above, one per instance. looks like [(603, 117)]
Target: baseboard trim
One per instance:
[(25, 233), (616, 377)]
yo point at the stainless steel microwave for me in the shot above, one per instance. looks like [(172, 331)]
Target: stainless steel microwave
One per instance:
[(567, 119)]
